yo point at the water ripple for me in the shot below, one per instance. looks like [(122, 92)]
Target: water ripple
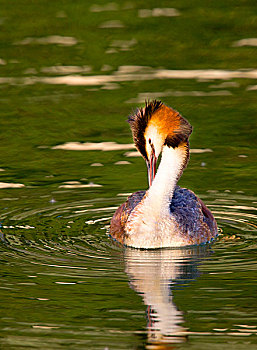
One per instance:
[(69, 255)]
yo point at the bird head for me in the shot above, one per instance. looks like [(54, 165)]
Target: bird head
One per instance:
[(155, 126)]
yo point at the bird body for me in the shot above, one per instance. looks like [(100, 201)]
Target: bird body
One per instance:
[(165, 215)]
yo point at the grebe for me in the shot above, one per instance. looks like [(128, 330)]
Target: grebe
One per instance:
[(165, 215)]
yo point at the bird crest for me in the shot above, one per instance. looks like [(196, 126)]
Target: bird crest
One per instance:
[(173, 128), (139, 121)]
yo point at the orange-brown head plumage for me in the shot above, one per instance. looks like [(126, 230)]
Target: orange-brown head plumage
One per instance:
[(157, 125)]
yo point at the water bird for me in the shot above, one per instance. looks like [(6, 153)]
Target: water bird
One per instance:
[(165, 215)]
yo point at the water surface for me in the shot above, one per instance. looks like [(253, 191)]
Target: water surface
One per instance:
[(70, 74)]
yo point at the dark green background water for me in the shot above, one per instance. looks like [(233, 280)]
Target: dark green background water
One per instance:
[(64, 284)]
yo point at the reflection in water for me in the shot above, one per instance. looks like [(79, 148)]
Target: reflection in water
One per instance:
[(57, 257), (112, 24), (94, 146), (136, 73), (121, 45), (246, 42), (51, 39), (62, 279), (154, 274), (111, 6), (107, 7), (251, 88), (10, 185), (226, 84), (142, 96), (66, 69), (77, 184), (158, 12)]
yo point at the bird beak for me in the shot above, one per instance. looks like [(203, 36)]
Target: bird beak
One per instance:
[(151, 165)]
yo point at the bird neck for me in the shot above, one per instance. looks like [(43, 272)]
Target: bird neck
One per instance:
[(171, 167)]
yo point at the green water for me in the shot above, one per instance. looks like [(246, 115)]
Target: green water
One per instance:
[(72, 71)]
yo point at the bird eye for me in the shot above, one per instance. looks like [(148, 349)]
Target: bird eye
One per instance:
[(149, 141)]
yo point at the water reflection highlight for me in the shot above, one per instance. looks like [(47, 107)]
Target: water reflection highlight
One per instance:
[(154, 274)]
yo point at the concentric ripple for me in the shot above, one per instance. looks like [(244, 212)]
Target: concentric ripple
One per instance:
[(78, 229), (61, 258)]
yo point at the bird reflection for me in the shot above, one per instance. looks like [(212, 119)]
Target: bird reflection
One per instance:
[(154, 274)]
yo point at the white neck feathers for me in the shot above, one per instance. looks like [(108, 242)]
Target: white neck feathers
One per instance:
[(170, 168)]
